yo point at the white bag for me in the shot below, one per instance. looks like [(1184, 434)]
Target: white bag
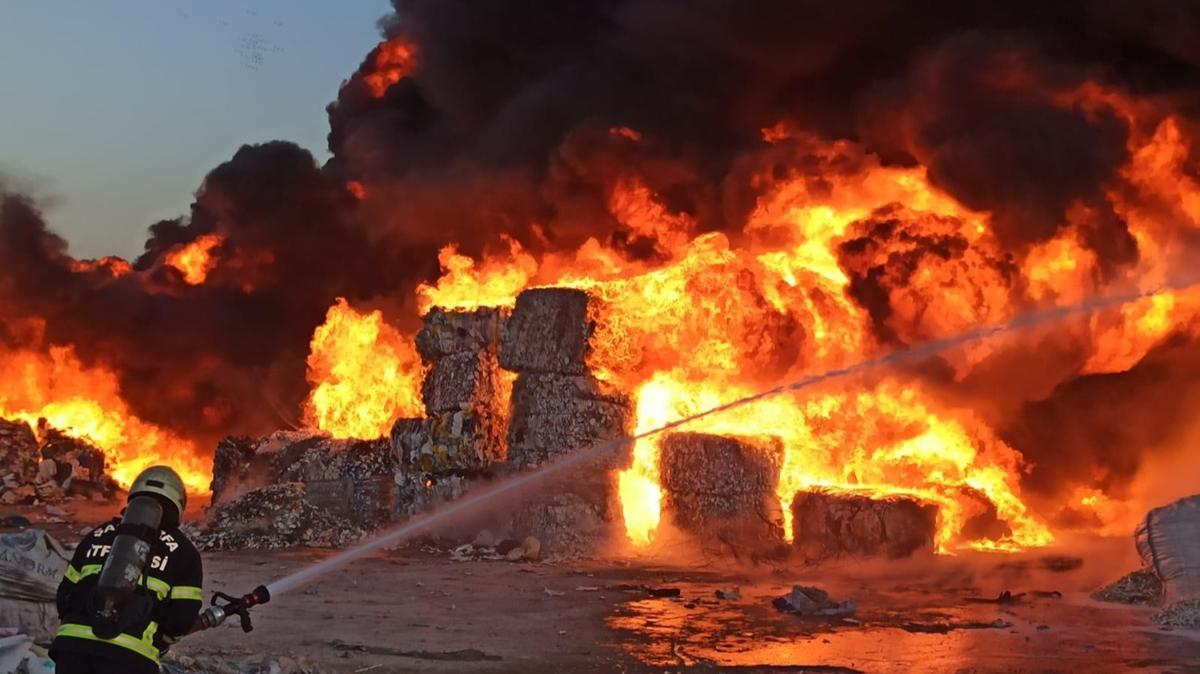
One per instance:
[(32, 564), (1169, 542)]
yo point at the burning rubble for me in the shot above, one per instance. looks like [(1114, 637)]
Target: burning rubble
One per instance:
[(49, 467)]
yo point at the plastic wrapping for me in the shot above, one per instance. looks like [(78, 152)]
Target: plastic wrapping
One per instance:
[(1169, 542)]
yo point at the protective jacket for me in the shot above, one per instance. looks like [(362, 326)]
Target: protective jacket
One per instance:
[(164, 608)]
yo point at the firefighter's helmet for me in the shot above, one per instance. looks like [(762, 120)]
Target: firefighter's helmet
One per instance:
[(163, 481)]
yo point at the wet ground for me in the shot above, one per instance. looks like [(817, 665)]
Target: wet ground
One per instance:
[(414, 610)]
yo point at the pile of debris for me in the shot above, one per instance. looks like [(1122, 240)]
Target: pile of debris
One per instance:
[(1140, 588), (723, 489), (49, 466), (298, 488)]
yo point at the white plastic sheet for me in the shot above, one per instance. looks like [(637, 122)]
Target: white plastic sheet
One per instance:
[(1169, 542)]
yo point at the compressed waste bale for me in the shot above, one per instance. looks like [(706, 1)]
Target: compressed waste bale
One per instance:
[(445, 333), (719, 465), (827, 524), (351, 479), (1168, 540), (79, 467), (275, 516), (549, 331), (1140, 588), (555, 414), (567, 525), (449, 443), (418, 493), (469, 380)]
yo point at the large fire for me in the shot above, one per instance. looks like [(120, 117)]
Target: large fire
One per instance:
[(364, 375), (708, 319), (85, 402)]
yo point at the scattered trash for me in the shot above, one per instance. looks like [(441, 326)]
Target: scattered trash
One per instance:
[(730, 593), (661, 592), (463, 655), (224, 664), (54, 511), (553, 593), (587, 588), (1140, 588), (813, 602)]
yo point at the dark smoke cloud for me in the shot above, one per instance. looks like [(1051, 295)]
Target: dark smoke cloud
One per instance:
[(505, 127)]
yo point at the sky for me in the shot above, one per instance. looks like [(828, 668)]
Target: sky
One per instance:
[(111, 113)]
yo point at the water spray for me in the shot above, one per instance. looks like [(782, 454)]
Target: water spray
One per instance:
[(481, 498)]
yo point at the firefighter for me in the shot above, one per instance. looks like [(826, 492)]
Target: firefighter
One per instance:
[(133, 586)]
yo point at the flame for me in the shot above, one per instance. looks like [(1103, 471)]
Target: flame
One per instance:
[(112, 266), (364, 375), (393, 61), (708, 318), (85, 402), (195, 260)]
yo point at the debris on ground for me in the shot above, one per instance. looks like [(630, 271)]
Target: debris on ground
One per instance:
[(277, 516), (1061, 563), (810, 601), (1007, 597), (19, 653), (947, 626), (662, 592), (16, 522), (1140, 588), (463, 655), (730, 593), (1183, 614), (225, 664)]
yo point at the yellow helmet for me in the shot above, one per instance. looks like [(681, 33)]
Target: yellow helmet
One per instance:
[(163, 481)]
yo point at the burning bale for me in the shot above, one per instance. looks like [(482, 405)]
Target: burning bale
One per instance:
[(558, 406), (276, 516), (465, 396), (555, 414), (827, 525), (723, 487), (549, 332), (445, 333)]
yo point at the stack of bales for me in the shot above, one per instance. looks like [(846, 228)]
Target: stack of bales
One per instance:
[(466, 406), (559, 407)]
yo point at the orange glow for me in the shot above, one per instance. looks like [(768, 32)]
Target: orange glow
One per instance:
[(113, 266), (195, 260), (356, 189), (393, 62), (364, 375), (464, 284), (86, 403)]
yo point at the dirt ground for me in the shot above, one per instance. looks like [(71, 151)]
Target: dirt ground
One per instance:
[(415, 610)]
